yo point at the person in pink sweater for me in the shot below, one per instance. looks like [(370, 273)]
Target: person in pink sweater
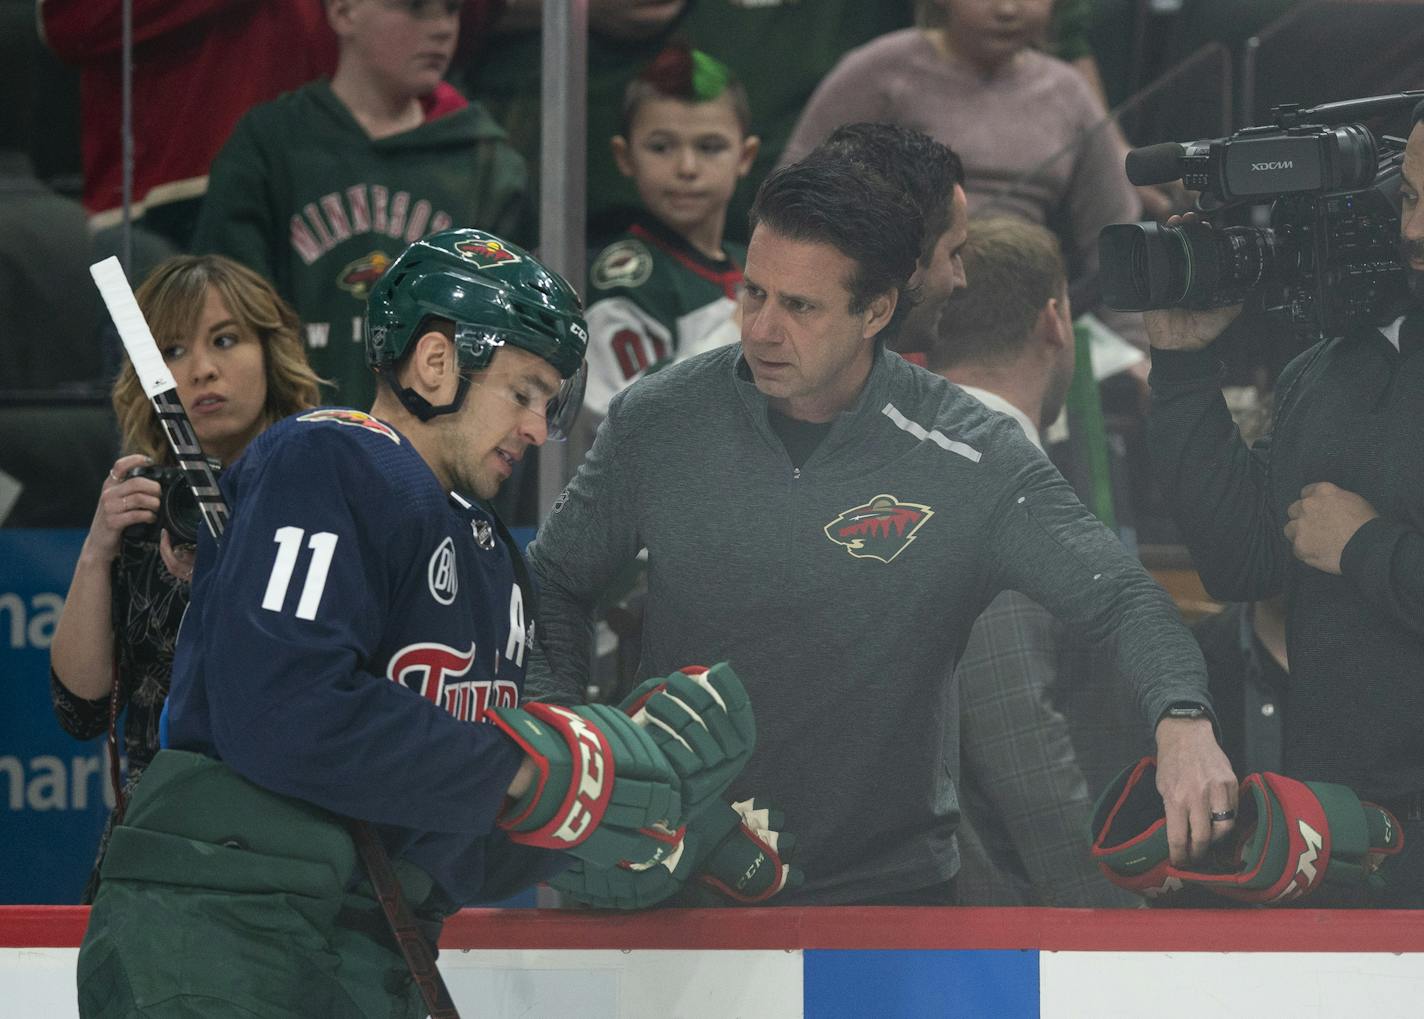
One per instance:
[(1033, 135)]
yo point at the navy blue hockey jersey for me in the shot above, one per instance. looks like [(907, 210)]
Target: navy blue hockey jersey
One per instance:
[(347, 635)]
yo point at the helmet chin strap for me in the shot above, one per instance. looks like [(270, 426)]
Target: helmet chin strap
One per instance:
[(419, 405)]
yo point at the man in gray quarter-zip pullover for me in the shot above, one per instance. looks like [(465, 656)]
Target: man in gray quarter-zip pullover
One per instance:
[(832, 519)]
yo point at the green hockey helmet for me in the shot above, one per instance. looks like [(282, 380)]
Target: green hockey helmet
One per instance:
[(496, 293)]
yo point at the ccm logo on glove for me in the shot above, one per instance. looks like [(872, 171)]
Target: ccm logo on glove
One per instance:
[(586, 794)]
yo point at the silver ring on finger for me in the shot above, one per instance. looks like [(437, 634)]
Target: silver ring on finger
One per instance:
[(1222, 816)]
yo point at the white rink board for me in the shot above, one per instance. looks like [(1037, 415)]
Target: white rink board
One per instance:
[(39, 982), (625, 985), (1193, 985), (765, 984)]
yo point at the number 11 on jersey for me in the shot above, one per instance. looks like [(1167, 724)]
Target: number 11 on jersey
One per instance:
[(289, 546)]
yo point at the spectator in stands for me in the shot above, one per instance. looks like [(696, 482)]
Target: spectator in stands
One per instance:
[(666, 288), (1007, 341), (795, 44), (858, 515), (932, 178), (197, 67), (1031, 131), (321, 189), (235, 350)]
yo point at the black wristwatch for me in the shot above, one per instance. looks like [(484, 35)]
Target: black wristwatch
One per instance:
[(1185, 709)]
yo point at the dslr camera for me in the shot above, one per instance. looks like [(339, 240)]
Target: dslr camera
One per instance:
[(1329, 259), (178, 512)]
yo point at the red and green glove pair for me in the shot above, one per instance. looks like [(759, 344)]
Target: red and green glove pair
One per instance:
[(614, 787), (1290, 839), (737, 851)]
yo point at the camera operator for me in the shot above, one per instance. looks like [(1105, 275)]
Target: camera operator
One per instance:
[(1328, 509), (235, 351)]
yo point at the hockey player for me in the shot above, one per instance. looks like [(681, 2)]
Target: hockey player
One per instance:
[(666, 288), (357, 619)]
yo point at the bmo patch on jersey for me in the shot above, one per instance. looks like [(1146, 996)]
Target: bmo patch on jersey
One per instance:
[(881, 529), (625, 263), (441, 573), (354, 418), (357, 277)]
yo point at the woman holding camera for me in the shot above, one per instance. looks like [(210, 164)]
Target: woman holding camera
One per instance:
[(235, 349)]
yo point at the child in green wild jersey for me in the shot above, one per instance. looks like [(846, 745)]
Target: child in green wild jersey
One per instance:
[(320, 189), (666, 287)]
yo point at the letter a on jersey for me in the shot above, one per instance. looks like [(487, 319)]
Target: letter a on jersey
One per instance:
[(881, 529)]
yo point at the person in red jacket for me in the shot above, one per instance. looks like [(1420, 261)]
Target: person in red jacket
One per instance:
[(198, 65)]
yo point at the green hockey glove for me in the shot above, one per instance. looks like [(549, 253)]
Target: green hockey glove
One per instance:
[(702, 719), (605, 792), (729, 852), (750, 864)]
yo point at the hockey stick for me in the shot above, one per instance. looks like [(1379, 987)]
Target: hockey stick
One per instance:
[(160, 387)]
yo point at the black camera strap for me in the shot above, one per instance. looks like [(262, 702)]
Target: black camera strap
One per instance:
[(113, 740)]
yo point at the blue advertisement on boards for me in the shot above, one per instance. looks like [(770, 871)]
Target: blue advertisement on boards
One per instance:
[(54, 790)]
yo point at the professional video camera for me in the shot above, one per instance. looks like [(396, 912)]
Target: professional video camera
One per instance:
[(1328, 260)]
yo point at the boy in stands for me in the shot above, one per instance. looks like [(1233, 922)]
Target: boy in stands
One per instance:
[(320, 189), (666, 287)]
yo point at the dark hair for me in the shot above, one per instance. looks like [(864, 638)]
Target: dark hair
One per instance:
[(681, 72), (1014, 268), (826, 199), (926, 170)]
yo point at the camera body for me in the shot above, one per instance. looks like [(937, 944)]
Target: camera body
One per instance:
[(178, 512), (1327, 261)]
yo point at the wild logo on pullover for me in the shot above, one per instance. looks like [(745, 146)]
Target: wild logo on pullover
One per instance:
[(881, 529)]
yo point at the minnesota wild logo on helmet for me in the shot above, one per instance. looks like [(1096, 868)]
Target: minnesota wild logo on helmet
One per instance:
[(496, 293), (490, 252)]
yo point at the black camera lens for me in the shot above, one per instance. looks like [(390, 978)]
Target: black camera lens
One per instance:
[(1145, 266), (1140, 268), (178, 513)]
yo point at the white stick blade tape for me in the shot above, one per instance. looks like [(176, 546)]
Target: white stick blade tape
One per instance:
[(153, 373)]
